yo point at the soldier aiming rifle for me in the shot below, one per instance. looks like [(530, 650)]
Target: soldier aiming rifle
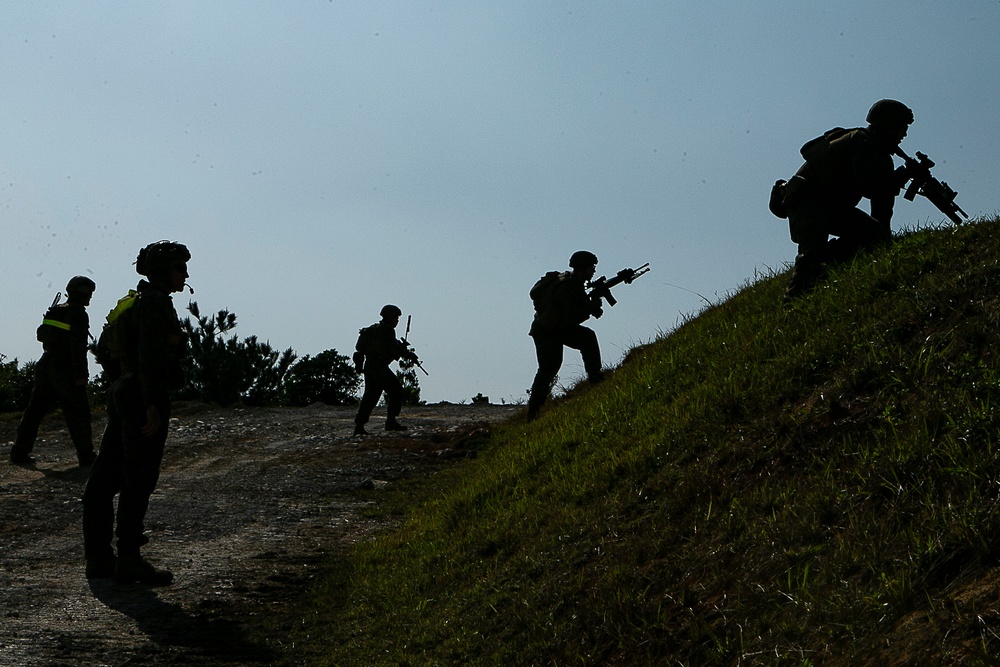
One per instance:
[(938, 192)]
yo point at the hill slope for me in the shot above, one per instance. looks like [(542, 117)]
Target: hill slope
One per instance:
[(814, 485)]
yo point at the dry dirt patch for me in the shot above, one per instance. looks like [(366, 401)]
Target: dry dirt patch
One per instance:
[(249, 503)]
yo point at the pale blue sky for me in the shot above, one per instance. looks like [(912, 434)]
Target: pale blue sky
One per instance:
[(323, 158)]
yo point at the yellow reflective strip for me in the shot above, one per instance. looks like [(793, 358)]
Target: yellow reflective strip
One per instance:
[(124, 304), (57, 324)]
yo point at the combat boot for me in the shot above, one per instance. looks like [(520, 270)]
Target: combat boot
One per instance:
[(101, 568), (393, 425), (359, 429), (137, 570), (19, 457)]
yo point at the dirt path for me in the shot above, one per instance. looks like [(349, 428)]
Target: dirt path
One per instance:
[(248, 504)]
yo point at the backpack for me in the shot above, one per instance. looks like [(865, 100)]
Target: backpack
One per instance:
[(111, 345), (818, 148), (776, 202), (541, 291), (54, 327), (365, 338)]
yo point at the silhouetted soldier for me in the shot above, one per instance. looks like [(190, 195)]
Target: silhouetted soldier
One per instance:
[(562, 305), (377, 347), (842, 167), (61, 374), (148, 343)]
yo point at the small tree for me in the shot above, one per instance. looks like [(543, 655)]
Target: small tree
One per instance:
[(328, 377), (222, 369), (15, 384), (407, 375)]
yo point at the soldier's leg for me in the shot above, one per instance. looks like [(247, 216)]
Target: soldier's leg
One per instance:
[(393, 389), (369, 398), (585, 340), (856, 231), (42, 400), (76, 410), (98, 497), (141, 459), (808, 225), (549, 352)]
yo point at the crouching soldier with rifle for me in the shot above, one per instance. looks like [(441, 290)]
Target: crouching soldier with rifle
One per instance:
[(821, 200), (377, 347)]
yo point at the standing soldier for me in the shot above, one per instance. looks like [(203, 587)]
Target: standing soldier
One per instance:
[(842, 167), (61, 374), (562, 305), (147, 341), (377, 347)]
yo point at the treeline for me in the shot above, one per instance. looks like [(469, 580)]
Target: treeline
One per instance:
[(221, 368)]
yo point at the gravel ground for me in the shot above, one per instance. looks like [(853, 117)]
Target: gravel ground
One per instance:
[(250, 502)]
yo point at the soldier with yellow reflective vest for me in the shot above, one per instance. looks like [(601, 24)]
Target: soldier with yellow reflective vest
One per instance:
[(61, 374), (145, 342)]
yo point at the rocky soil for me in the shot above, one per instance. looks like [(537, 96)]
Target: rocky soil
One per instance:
[(250, 503)]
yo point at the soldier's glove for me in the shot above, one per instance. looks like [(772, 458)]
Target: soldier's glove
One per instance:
[(901, 175)]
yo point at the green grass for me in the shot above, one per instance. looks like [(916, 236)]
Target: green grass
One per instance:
[(803, 486)]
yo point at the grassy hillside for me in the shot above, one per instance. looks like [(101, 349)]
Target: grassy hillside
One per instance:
[(814, 485)]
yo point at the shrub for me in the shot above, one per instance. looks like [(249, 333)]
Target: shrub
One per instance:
[(223, 369), (329, 378), (15, 384), (407, 375)]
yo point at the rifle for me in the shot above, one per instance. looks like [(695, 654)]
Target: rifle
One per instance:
[(601, 288), (938, 192), (411, 355)]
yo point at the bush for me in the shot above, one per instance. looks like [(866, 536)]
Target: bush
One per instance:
[(224, 370), (407, 375), (15, 384), (328, 377)]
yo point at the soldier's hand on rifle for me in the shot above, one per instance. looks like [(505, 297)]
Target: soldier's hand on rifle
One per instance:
[(902, 175)]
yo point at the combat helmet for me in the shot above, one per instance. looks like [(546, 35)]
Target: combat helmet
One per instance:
[(390, 310), (81, 284), (157, 258), (582, 258), (889, 113)]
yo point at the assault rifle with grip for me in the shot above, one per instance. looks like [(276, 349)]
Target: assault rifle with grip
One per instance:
[(601, 288), (938, 192), (410, 354)]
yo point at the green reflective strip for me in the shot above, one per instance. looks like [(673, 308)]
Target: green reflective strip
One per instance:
[(57, 324)]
